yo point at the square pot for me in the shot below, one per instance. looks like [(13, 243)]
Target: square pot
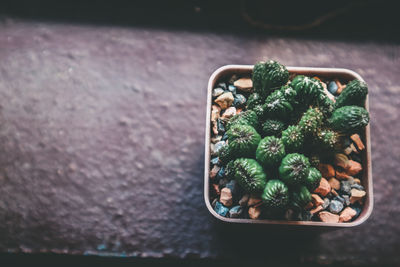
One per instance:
[(246, 70)]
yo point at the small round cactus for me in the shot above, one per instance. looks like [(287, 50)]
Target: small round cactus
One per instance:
[(289, 94), (313, 178), (247, 117), (301, 197), (277, 106), (349, 119), (307, 88), (328, 139), (254, 100), (270, 151), (249, 174), (273, 127), (293, 138), (269, 75), (275, 195), (311, 121), (294, 169), (225, 155), (355, 93), (243, 140)]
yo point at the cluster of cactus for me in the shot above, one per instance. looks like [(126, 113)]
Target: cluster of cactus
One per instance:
[(288, 127)]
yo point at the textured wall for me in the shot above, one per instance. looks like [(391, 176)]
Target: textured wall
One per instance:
[(101, 143)]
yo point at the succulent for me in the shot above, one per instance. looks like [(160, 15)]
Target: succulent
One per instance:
[(328, 139), (225, 155), (277, 106), (230, 169), (254, 100), (270, 151), (272, 127), (307, 88), (249, 174), (293, 138), (301, 197), (269, 75), (289, 94), (355, 93), (247, 117), (243, 140), (259, 110), (313, 178), (349, 119), (325, 104), (294, 169), (311, 121), (275, 195)]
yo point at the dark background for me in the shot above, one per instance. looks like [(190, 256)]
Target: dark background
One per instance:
[(102, 117)]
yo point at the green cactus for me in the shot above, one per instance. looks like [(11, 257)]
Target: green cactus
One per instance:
[(307, 88), (275, 195), (294, 169), (225, 155), (277, 106), (270, 151), (301, 197), (293, 138), (273, 127), (311, 121), (243, 140), (313, 178), (269, 75), (328, 139), (249, 174), (349, 119), (247, 117), (254, 100), (355, 94)]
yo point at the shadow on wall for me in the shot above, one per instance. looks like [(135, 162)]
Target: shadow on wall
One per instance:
[(355, 19)]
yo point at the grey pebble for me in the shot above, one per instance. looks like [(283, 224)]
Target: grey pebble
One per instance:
[(239, 100), (221, 209), (235, 212), (346, 200), (357, 186), (220, 126), (232, 89), (332, 87), (214, 161), (222, 182), (339, 198), (217, 92), (224, 137), (218, 146), (221, 173), (326, 203), (345, 187), (222, 85), (335, 206)]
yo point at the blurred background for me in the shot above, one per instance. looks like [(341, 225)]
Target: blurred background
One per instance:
[(102, 120)]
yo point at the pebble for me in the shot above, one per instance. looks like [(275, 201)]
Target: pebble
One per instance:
[(225, 137), (214, 161), (214, 127), (215, 110), (235, 212), (340, 86), (357, 186), (216, 139), (335, 206), (356, 180), (244, 84), (232, 185), (335, 184), (345, 187), (229, 113), (214, 202), (357, 140), (353, 148), (348, 150), (324, 187), (218, 146), (341, 160), (326, 170), (216, 189), (254, 201), (232, 89), (221, 174), (221, 209), (243, 201), (254, 212), (225, 100), (347, 214), (317, 200), (222, 181), (222, 85), (342, 175), (326, 203), (339, 198), (239, 100), (220, 126), (328, 217), (214, 171), (357, 207), (356, 195), (332, 87), (217, 92), (346, 200), (226, 197), (353, 168), (317, 209)]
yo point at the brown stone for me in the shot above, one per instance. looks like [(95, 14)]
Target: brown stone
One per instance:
[(357, 140), (347, 214), (340, 86), (353, 168), (229, 113), (215, 110), (238, 110), (317, 209), (348, 150), (225, 100), (216, 189), (244, 84), (353, 148), (356, 180), (317, 200), (214, 171), (326, 170), (333, 191), (254, 201), (324, 187), (215, 127), (341, 160), (328, 217), (309, 205), (254, 212), (226, 197), (356, 195), (335, 184), (341, 175)]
